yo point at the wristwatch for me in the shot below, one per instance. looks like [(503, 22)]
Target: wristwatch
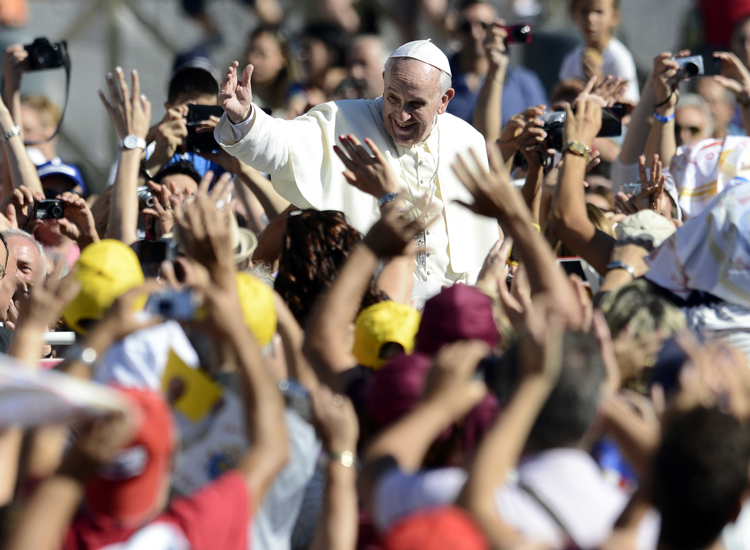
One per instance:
[(385, 199), (132, 142), (577, 148), (621, 265)]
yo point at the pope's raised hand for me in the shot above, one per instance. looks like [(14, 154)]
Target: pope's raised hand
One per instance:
[(236, 96)]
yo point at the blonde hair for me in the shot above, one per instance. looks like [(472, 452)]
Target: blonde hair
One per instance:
[(638, 306), (51, 113)]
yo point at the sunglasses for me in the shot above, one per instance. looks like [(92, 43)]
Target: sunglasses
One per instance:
[(466, 26), (694, 130)]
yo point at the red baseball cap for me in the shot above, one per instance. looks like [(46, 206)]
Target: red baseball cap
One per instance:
[(128, 488), (444, 528)]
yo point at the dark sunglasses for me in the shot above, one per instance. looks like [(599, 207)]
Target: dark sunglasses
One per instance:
[(694, 130), (466, 26)]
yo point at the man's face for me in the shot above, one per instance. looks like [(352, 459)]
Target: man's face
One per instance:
[(182, 182), (472, 27), (28, 260), (714, 94), (57, 184), (8, 284), (689, 126), (411, 101), (366, 63)]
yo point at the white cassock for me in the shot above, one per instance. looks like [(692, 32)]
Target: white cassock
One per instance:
[(307, 172)]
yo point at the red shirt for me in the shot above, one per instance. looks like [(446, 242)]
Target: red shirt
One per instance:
[(216, 517)]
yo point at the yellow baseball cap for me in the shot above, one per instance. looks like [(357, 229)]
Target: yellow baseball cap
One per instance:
[(258, 308), (106, 270), (379, 324)]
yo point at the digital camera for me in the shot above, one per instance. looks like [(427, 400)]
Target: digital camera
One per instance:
[(690, 67), (518, 34), (145, 197), (44, 54), (49, 209)]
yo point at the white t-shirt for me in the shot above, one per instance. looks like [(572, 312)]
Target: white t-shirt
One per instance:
[(618, 61)]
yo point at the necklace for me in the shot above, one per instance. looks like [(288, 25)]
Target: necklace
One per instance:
[(420, 238)]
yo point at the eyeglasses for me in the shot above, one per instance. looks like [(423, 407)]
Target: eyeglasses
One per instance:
[(466, 26), (694, 130)]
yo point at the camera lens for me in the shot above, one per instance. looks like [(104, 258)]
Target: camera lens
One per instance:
[(46, 55), (55, 212), (689, 70)]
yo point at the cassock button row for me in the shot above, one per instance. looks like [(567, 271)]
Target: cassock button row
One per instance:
[(427, 232), (429, 272)]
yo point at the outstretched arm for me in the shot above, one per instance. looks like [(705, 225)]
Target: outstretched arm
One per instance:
[(488, 112), (325, 344)]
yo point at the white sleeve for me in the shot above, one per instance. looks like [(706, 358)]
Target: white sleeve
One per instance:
[(259, 141), (398, 494)]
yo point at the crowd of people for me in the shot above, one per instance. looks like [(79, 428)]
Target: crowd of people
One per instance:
[(405, 301)]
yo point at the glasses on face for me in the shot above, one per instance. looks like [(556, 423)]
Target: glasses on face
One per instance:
[(466, 26), (694, 130)]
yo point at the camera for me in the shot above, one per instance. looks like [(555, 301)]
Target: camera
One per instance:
[(518, 34), (155, 252), (44, 54), (690, 67), (174, 304), (554, 123), (145, 197), (49, 209), (203, 142)]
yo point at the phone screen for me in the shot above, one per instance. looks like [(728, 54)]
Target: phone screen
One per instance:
[(612, 121), (572, 266)]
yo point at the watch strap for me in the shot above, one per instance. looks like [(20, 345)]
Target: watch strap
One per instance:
[(140, 143), (15, 131), (569, 147), (663, 119), (621, 265)]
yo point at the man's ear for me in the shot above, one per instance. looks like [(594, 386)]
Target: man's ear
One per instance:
[(447, 96)]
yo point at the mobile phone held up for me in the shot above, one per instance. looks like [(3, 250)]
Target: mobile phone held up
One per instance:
[(201, 142)]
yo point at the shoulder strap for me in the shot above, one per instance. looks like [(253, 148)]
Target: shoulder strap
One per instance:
[(569, 543)]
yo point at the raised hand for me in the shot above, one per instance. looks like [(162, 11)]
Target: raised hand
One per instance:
[(585, 123), (652, 190), (78, 223), (236, 96), (665, 80), (531, 143), (492, 191), (494, 273), (368, 172), (607, 92), (512, 130), (22, 201), (494, 44), (335, 420), (393, 234), (130, 114), (735, 77), (451, 380), (48, 297), (14, 64)]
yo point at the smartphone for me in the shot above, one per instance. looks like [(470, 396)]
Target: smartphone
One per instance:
[(612, 120), (573, 266), (174, 304), (203, 142), (518, 34)]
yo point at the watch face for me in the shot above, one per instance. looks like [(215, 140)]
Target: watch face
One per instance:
[(131, 142)]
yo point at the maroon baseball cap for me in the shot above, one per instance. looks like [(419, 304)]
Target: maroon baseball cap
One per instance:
[(459, 312)]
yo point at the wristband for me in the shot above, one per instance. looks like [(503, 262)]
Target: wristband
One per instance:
[(621, 265), (663, 119), (385, 199), (15, 131)]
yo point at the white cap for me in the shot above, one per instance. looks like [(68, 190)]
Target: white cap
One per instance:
[(426, 52)]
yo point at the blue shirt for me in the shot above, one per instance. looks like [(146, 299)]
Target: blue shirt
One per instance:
[(522, 89)]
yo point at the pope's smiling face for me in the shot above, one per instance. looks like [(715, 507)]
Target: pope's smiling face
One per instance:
[(411, 99)]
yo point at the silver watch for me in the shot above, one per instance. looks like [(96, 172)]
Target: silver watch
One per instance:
[(132, 142)]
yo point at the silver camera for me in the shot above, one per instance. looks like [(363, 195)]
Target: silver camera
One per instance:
[(690, 67)]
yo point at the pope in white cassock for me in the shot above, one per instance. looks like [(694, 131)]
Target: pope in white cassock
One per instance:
[(413, 141)]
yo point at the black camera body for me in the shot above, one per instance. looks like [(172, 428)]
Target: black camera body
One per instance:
[(518, 34), (44, 54), (49, 209), (203, 142)]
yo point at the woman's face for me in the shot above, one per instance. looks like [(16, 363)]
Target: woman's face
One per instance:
[(315, 57), (267, 57)]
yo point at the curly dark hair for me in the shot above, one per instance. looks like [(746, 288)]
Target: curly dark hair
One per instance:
[(316, 245)]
